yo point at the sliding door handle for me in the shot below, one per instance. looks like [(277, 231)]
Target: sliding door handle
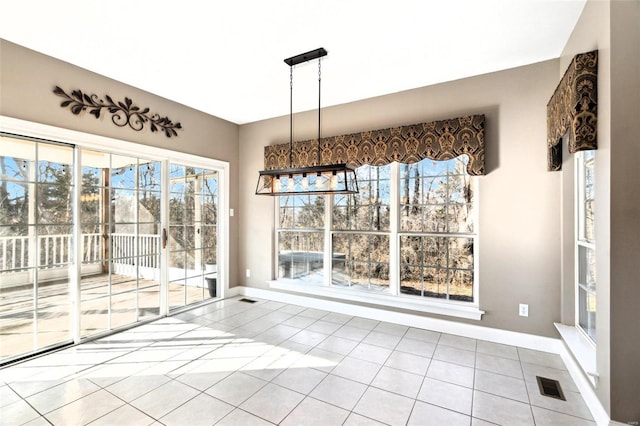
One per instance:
[(164, 238)]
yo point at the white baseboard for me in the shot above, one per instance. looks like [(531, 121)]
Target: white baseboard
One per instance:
[(512, 338), (234, 291), (584, 385), (386, 301)]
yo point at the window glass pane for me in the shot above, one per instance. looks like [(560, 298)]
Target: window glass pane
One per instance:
[(411, 278), (301, 211), (14, 202), (123, 172), (427, 282), (123, 208), (149, 175), (53, 203), (413, 220), (301, 237), (54, 172), (461, 285), (300, 255), (587, 267), (17, 160), (54, 189), (460, 253), (15, 243), (434, 219), (360, 261), (148, 207), (91, 203), (437, 197), (369, 209), (442, 261), (210, 198), (55, 245), (124, 309), (176, 204), (587, 312), (434, 251), (459, 218), (586, 252), (411, 250), (176, 237), (588, 161)]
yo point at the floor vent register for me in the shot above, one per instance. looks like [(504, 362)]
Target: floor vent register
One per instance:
[(550, 388)]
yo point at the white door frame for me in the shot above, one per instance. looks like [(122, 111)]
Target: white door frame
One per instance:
[(100, 143)]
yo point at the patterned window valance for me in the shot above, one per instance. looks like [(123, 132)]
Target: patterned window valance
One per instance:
[(573, 108), (438, 140)]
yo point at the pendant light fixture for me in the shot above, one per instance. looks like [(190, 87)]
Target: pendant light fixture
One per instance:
[(318, 179)]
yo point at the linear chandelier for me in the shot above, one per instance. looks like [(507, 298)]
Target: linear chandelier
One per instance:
[(317, 179)]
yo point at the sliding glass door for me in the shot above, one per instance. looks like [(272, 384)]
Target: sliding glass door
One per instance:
[(93, 241), (121, 229), (36, 200), (193, 234)]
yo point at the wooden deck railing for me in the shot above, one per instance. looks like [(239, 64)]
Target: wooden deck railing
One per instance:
[(18, 254)]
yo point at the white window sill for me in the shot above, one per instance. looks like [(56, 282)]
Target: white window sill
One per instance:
[(452, 309), (582, 350)]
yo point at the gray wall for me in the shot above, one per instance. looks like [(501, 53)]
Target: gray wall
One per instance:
[(27, 79), (590, 33), (519, 201), (612, 28), (624, 290)]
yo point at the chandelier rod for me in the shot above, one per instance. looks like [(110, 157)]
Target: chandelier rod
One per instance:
[(319, 80), (291, 116)]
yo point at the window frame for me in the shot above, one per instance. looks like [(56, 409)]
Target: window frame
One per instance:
[(384, 231), (423, 233), (392, 298), (583, 244), (278, 230)]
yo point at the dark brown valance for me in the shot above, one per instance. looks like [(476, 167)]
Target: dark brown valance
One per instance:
[(438, 140), (573, 108)]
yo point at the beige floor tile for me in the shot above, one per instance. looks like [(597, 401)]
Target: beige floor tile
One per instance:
[(424, 414)]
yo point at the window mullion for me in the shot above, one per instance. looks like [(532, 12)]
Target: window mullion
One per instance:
[(394, 224), (328, 243), (75, 268), (165, 222)]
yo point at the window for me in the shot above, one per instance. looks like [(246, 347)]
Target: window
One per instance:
[(436, 230), (193, 234), (409, 232), (360, 237), (301, 237), (585, 243)]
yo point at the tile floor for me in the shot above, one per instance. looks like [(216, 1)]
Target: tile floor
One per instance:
[(237, 363)]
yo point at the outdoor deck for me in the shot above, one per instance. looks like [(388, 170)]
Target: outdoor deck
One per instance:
[(131, 300)]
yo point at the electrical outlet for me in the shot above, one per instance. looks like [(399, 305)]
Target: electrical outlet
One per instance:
[(231, 212), (248, 273), (523, 310)]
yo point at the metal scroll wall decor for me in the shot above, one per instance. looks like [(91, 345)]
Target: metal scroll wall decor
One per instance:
[(122, 113), (573, 110), (438, 140)]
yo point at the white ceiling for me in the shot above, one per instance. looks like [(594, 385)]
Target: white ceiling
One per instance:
[(226, 57)]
